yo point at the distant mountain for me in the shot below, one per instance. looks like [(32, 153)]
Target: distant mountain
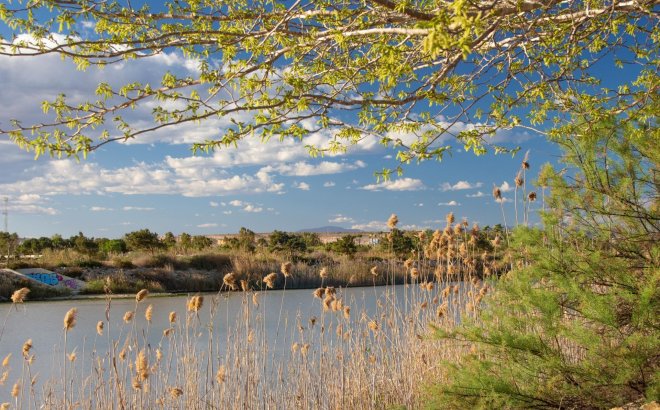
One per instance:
[(333, 229)]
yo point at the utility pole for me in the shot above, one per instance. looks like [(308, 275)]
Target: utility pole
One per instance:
[(5, 213)]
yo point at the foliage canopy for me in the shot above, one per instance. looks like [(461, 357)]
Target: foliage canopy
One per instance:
[(410, 73)]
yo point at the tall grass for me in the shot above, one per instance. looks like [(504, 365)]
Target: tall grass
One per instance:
[(349, 356)]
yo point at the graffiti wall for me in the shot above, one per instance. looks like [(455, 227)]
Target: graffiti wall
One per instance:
[(51, 278)]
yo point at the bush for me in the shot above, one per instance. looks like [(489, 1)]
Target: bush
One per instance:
[(577, 324), (209, 262)]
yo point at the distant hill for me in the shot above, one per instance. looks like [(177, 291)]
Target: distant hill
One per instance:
[(333, 229)]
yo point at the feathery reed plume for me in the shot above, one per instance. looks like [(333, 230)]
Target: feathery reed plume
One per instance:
[(221, 375), (148, 313), (450, 218), (99, 328), (286, 269), (519, 180), (4, 406), (373, 326), (136, 384), (142, 365), (532, 196), (255, 299), (327, 302), (70, 319), (497, 194), (19, 295), (374, 271), (270, 279), (330, 291), (195, 303), (525, 161), (244, 285), (392, 221), (141, 295), (347, 312), (176, 392), (318, 293), (230, 280), (304, 349), (128, 316), (323, 273), (122, 354), (72, 356), (167, 332), (294, 347), (414, 273), (26, 347), (5, 361), (15, 391), (172, 317), (4, 377), (159, 355)]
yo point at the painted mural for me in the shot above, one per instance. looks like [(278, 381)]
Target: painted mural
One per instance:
[(51, 278)]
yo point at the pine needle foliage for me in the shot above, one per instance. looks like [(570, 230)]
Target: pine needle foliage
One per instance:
[(576, 323)]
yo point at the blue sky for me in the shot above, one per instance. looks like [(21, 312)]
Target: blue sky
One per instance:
[(155, 182)]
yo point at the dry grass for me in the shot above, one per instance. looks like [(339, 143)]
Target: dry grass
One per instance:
[(348, 357)]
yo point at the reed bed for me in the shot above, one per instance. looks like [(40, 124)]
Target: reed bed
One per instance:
[(345, 352)]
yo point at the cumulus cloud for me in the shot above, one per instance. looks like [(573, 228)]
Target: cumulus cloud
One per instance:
[(245, 206), (214, 204), (479, 194), (450, 203), (460, 185), (505, 187), (401, 184), (207, 225), (100, 209), (329, 184), (303, 186), (137, 208), (303, 168), (371, 226), (340, 219)]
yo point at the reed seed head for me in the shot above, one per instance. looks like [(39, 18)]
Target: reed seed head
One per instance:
[(270, 279), (141, 295), (4, 406), (176, 392), (531, 196), (70, 319), (450, 218), (16, 390), (392, 221), (286, 269), (128, 316), (330, 291), (244, 285), (230, 280), (373, 326), (323, 273), (519, 180), (19, 295), (167, 332), (5, 376), (318, 293), (172, 317), (137, 385), (255, 299), (304, 349), (497, 194), (99, 328), (195, 303), (5, 361), (142, 365), (525, 161), (221, 375), (347, 312), (374, 271), (414, 273), (72, 356), (148, 313)]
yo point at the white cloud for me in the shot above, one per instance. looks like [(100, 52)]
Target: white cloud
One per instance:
[(371, 226), (245, 206), (505, 187), (340, 219), (450, 203), (419, 205), (100, 209), (303, 186), (227, 212), (207, 225), (236, 202), (479, 194), (302, 168), (402, 184), (329, 184), (253, 208), (137, 208), (214, 204), (460, 185)]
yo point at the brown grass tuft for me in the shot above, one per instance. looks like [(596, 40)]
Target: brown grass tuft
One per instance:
[(19, 295), (70, 319)]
